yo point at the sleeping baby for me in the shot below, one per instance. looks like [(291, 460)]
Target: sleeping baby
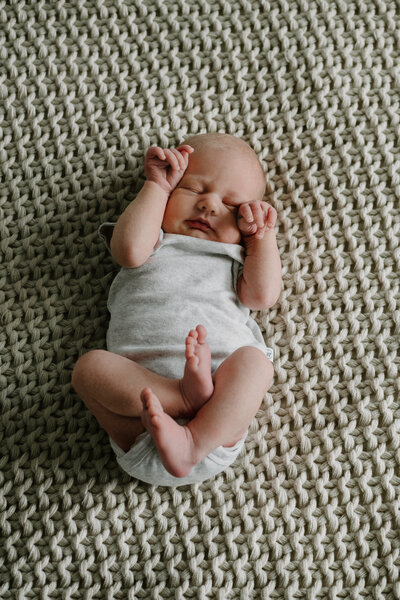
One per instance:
[(186, 367)]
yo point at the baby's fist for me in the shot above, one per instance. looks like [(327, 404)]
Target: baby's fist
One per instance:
[(166, 166), (255, 218)]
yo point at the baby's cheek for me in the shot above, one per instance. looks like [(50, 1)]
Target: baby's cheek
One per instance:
[(233, 233)]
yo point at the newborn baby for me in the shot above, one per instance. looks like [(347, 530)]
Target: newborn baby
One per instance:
[(187, 367)]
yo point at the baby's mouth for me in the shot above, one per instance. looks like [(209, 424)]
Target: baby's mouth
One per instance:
[(201, 224)]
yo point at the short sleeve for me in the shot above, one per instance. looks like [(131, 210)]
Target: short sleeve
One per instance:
[(105, 231)]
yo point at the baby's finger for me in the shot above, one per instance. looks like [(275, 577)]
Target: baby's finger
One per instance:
[(185, 156), (172, 159), (246, 212), (180, 158), (155, 151), (160, 153), (272, 216), (258, 215), (186, 148)]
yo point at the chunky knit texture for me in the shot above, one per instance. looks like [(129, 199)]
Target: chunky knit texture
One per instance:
[(311, 508)]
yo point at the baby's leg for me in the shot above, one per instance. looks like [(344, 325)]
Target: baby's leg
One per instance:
[(110, 386), (239, 387)]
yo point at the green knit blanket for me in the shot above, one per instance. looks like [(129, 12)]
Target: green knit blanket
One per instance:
[(311, 508)]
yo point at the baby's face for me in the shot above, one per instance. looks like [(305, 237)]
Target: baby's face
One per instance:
[(205, 202)]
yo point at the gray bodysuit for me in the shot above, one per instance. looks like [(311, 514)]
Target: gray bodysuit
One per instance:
[(185, 281)]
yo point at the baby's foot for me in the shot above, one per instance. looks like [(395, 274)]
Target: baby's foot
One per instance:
[(174, 442), (196, 384)]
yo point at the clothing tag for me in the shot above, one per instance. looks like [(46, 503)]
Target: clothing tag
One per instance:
[(270, 354)]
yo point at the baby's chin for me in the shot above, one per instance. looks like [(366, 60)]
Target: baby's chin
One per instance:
[(201, 234), (184, 229), (196, 233)]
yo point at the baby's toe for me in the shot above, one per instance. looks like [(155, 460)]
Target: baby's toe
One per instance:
[(192, 335), (145, 396), (202, 334)]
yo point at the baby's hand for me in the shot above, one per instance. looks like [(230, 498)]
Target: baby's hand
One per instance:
[(255, 218), (166, 166)]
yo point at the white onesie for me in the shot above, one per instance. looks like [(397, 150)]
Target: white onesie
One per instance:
[(185, 281)]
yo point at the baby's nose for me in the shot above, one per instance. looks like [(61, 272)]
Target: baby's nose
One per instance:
[(208, 202)]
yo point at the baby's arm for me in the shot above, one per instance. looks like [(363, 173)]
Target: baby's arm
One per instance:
[(259, 286), (136, 231)]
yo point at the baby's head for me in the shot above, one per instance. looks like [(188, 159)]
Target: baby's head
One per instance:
[(223, 172)]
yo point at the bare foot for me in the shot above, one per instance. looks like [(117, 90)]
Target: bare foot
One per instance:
[(174, 442), (196, 384)]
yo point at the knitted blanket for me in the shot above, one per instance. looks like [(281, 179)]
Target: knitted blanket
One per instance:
[(311, 507)]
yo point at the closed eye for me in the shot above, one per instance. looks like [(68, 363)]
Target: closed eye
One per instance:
[(191, 189)]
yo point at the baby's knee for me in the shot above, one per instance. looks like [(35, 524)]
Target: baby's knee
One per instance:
[(86, 366), (253, 358), (253, 355)]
